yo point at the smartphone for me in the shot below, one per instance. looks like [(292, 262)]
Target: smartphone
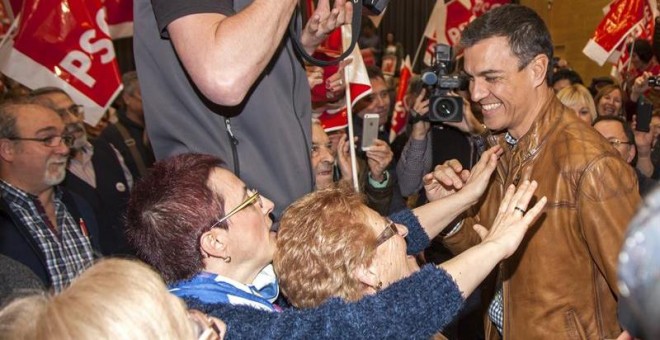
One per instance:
[(644, 112), (369, 130)]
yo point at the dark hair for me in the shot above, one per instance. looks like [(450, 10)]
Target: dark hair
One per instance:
[(524, 29), (375, 72), (169, 210), (643, 49), (564, 73), (627, 129)]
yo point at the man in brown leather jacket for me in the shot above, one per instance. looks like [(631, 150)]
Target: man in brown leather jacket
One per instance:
[(561, 283)]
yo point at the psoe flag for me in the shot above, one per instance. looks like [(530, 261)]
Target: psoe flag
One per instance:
[(66, 44), (400, 116), (618, 23), (356, 71)]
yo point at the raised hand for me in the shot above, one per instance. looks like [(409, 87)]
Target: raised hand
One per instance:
[(379, 157), (324, 21), (450, 177), (513, 218)]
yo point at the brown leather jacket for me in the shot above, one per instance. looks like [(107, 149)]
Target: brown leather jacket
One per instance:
[(561, 282)]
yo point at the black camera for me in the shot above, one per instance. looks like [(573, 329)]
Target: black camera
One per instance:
[(375, 6), (444, 107), (654, 81)]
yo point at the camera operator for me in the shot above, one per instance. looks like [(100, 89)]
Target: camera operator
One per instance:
[(221, 77), (418, 156)]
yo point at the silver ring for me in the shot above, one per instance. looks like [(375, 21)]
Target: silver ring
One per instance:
[(520, 209)]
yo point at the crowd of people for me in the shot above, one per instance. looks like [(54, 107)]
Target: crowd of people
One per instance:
[(219, 201)]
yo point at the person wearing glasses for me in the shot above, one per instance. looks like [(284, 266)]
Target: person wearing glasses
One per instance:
[(42, 225), (96, 171), (113, 299), (210, 238), (621, 136)]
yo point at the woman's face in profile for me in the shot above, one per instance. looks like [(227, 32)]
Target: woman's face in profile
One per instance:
[(391, 263)]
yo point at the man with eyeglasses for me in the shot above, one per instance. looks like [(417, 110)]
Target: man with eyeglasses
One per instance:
[(621, 136), (332, 165), (42, 225), (96, 171)]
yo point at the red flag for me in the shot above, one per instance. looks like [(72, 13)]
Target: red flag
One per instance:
[(356, 71), (448, 20), (618, 23), (400, 116), (66, 44), (120, 17)]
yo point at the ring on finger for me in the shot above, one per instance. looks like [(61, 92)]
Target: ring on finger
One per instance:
[(522, 211)]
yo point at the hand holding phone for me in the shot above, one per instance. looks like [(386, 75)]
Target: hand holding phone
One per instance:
[(369, 129), (644, 113)]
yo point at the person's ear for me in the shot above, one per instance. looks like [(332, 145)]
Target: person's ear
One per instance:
[(632, 151), (539, 68), (7, 149), (214, 243), (368, 276)]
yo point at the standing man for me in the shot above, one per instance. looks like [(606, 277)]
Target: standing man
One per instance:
[(561, 283), (128, 135), (46, 228), (96, 171), (221, 77)]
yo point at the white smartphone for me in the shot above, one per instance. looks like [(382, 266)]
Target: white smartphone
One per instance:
[(369, 130)]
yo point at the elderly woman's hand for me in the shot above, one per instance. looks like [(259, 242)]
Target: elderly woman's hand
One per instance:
[(450, 177), (513, 218)]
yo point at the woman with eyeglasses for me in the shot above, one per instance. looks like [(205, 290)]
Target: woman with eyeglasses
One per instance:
[(113, 299), (210, 238)]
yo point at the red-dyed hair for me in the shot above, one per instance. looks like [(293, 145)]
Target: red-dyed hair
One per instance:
[(169, 210)]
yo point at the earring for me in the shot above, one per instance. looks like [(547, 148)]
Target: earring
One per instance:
[(227, 259), (379, 286)]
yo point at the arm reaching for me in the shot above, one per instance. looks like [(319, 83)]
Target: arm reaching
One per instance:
[(511, 223)]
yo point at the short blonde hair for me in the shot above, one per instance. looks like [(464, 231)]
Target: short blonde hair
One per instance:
[(321, 242), (577, 94), (114, 299)]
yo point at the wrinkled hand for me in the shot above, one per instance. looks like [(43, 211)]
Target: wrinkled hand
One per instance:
[(324, 21), (450, 177), (511, 224), (314, 75), (379, 157), (469, 124), (421, 106), (344, 158), (335, 85)]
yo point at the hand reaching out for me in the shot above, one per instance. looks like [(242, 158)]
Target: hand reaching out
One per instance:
[(513, 219), (324, 21), (450, 177)]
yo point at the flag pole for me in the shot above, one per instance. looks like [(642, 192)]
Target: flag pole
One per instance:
[(349, 113), (419, 47)]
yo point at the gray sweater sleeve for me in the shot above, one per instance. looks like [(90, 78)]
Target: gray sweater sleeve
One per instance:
[(414, 308), (414, 163)]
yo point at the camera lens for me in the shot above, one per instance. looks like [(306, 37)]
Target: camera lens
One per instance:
[(445, 108), (653, 81)]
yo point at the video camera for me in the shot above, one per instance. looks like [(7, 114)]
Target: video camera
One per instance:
[(444, 107)]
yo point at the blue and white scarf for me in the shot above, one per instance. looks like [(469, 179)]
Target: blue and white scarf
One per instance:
[(214, 288)]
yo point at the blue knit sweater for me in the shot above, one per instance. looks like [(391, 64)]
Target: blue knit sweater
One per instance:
[(414, 308)]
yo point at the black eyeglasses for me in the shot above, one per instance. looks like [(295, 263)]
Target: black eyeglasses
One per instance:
[(390, 230), (76, 110), (50, 141), (254, 197)]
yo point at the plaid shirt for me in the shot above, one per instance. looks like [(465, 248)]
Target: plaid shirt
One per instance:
[(67, 248)]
